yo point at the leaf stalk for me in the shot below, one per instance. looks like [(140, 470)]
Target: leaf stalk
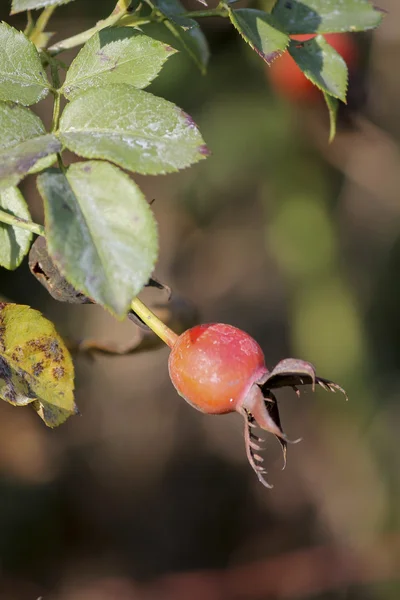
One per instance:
[(156, 325), (10, 219)]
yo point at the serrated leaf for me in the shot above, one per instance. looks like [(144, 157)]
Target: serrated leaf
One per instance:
[(132, 128), (186, 30), (333, 105), (326, 16), (116, 55), (173, 9), (14, 241), (322, 65), (35, 366), (194, 42), (23, 143), (21, 5), (22, 77), (257, 28), (100, 232)]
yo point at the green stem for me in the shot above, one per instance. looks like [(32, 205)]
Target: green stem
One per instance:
[(81, 38), (122, 6), (29, 24), (121, 16), (55, 78), (212, 12), (41, 24), (136, 20), (9, 219), (56, 111), (163, 331)]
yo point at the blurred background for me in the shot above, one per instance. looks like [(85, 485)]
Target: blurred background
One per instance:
[(297, 242)]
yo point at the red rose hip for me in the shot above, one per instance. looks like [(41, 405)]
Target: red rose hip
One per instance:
[(219, 369), (213, 367)]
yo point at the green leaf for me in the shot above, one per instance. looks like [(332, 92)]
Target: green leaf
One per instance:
[(22, 77), (116, 55), (35, 366), (132, 128), (332, 105), (172, 10), (187, 31), (322, 65), (21, 5), (100, 232), (326, 16), (23, 142), (194, 42), (257, 29), (14, 241)]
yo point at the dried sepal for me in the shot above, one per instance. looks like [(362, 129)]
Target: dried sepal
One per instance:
[(293, 372), (260, 407), (252, 444)]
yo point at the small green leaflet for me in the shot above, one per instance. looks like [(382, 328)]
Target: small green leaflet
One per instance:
[(22, 77), (194, 42), (14, 241), (100, 232), (21, 5), (326, 16), (23, 142), (35, 366), (187, 31), (134, 129), (257, 29), (173, 9), (116, 55), (322, 65)]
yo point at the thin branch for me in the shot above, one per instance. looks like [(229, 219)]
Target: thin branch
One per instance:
[(41, 24), (9, 219)]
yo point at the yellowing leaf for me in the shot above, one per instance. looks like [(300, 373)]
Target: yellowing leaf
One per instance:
[(35, 365)]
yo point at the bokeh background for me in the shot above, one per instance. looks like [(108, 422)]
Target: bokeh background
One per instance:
[(297, 242)]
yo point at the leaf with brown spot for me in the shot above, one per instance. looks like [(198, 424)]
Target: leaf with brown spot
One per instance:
[(35, 365)]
